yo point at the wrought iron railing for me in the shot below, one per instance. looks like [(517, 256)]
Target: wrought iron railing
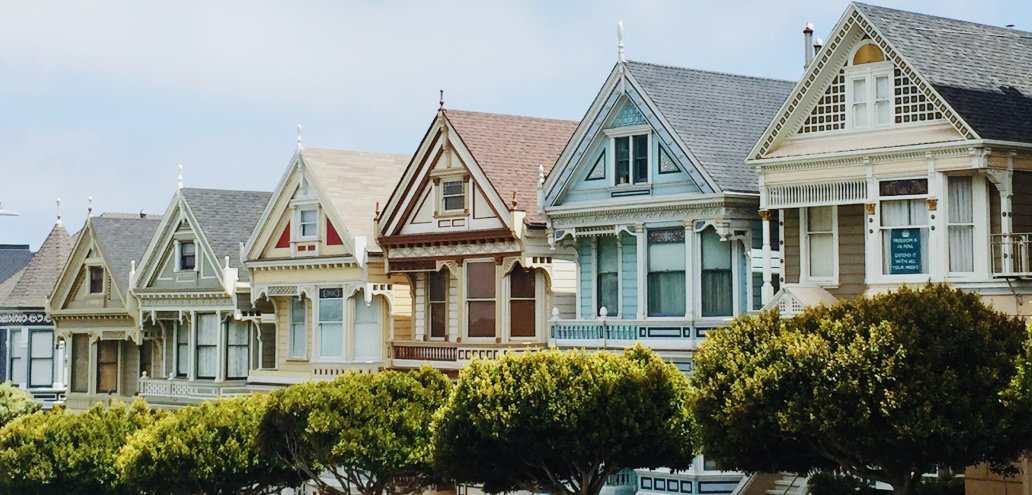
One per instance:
[(1012, 254)]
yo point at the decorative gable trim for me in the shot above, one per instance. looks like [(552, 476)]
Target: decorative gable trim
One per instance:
[(177, 212), (819, 75)]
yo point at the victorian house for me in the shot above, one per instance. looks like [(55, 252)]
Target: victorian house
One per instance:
[(317, 273), (462, 226), (31, 357), (902, 156), (194, 299), (94, 313), (652, 199)]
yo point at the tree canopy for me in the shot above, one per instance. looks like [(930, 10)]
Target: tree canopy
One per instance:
[(885, 388), (563, 422), (15, 402), (69, 454), (211, 448), (369, 432)]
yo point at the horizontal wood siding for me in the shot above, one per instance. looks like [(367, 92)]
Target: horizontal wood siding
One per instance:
[(564, 288), (852, 268), (791, 254), (629, 277), (1021, 203), (584, 252)]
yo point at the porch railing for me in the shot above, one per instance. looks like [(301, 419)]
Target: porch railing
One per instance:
[(180, 390), (452, 352), (1012, 254), (616, 333)]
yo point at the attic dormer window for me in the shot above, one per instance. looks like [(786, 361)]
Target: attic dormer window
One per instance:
[(453, 195), (96, 280), (869, 88), (631, 159), (187, 255), (308, 224)]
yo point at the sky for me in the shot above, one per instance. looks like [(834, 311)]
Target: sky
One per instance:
[(104, 99)]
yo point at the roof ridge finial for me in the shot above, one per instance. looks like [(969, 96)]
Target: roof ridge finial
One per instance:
[(514, 203), (300, 145), (619, 42), (59, 221), (179, 179), (441, 101), (89, 206), (541, 174)]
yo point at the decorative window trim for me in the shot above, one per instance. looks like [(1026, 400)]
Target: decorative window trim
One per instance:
[(298, 226), (629, 132), (663, 154), (870, 74), (292, 355), (878, 274), (317, 325), (468, 299), (179, 256), (91, 271), (600, 165), (804, 248), (428, 303)]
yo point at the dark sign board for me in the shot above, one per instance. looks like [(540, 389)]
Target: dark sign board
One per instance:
[(905, 251), (25, 319)]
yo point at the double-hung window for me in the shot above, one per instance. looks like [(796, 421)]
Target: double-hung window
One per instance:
[(631, 159), (480, 298), (666, 279), (820, 242), (107, 366), (331, 323), (717, 278), (298, 343), (96, 279), (453, 195), (182, 348), (207, 345), (961, 227), (308, 223), (237, 349), (607, 289), (869, 89), (16, 362), (522, 294), (438, 303), (80, 363), (187, 255), (41, 358), (904, 226)]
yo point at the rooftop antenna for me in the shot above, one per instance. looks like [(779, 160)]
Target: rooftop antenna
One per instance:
[(619, 42), (441, 101), (59, 221), (89, 206), (179, 178), (300, 146), (7, 213)]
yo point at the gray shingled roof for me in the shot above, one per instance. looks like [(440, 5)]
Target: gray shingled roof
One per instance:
[(718, 116), (13, 257), (122, 239), (227, 219), (983, 72), (38, 278)]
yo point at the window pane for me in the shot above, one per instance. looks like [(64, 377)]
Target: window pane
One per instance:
[(107, 366), (521, 283), (41, 373), (452, 187), (331, 340), (716, 254), (297, 310), (641, 158), (667, 256), (438, 286), (608, 293), (961, 230), (17, 365), (481, 318), (96, 280), (368, 339), (819, 219), (961, 207), (80, 363), (666, 293), (622, 159), (307, 216), (717, 298), (206, 361), (438, 319), (859, 90), (207, 329), (522, 318), (480, 279), (454, 203), (331, 309), (238, 333), (42, 345), (666, 277), (882, 112), (962, 238), (822, 255), (607, 262), (297, 340)]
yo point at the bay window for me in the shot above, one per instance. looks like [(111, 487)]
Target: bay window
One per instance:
[(207, 345), (631, 159), (904, 227), (237, 363), (820, 242), (438, 303), (607, 277), (107, 366), (961, 224), (331, 323), (717, 279), (480, 297), (298, 338), (522, 296), (666, 272)]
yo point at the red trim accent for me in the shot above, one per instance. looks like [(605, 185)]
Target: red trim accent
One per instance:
[(332, 238), (284, 239)]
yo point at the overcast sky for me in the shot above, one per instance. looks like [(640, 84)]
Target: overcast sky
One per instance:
[(105, 98)]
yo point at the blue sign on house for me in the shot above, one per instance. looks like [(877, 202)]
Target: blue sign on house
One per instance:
[(905, 251)]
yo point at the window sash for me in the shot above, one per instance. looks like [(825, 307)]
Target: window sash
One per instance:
[(437, 296), (607, 290), (41, 358), (187, 255), (820, 241), (107, 366), (961, 226), (331, 323), (207, 345), (182, 348), (622, 160), (16, 360), (96, 280), (237, 350), (80, 363), (298, 345), (308, 222), (667, 260), (640, 146), (453, 195), (480, 299), (717, 278), (522, 302)]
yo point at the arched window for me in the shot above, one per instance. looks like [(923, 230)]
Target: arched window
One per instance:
[(868, 54)]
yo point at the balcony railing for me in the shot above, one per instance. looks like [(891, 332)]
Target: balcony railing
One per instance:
[(621, 333), (181, 391), (452, 354), (1012, 255)]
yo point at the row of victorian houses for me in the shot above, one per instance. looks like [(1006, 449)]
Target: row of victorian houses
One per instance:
[(682, 199)]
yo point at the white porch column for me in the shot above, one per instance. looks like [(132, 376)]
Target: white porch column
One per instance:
[(23, 343), (191, 362), (60, 368), (690, 271), (220, 348), (767, 291), (641, 256), (1006, 188)]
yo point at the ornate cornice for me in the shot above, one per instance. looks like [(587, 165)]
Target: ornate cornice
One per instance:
[(454, 250), (634, 216)]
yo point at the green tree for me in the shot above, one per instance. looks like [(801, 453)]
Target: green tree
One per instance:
[(69, 454), (211, 448), (15, 402), (563, 422), (368, 432), (885, 388)]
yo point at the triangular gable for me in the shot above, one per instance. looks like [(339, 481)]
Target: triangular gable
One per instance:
[(410, 210), (271, 238), (157, 268), (72, 282), (812, 95), (621, 102), (793, 300)]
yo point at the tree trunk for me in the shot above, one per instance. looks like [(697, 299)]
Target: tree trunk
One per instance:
[(904, 484)]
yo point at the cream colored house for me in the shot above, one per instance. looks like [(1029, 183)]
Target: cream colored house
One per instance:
[(318, 274), (94, 313)]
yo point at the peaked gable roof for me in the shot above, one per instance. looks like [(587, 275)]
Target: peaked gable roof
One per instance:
[(122, 239), (718, 116), (510, 149), (982, 71), (38, 277), (13, 257), (354, 182), (226, 219)]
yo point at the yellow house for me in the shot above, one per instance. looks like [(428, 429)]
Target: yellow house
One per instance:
[(317, 272), (93, 311)]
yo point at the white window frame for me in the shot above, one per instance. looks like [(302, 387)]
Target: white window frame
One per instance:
[(428, 304), (299, 226), (467, 300), (878, 276), (804, 248), (465, 196), (103, 279), (643, 266), (292, 355), (628, 132), (981, 252), (737, 249), (870, 73), (179, 255), (317, 323)]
